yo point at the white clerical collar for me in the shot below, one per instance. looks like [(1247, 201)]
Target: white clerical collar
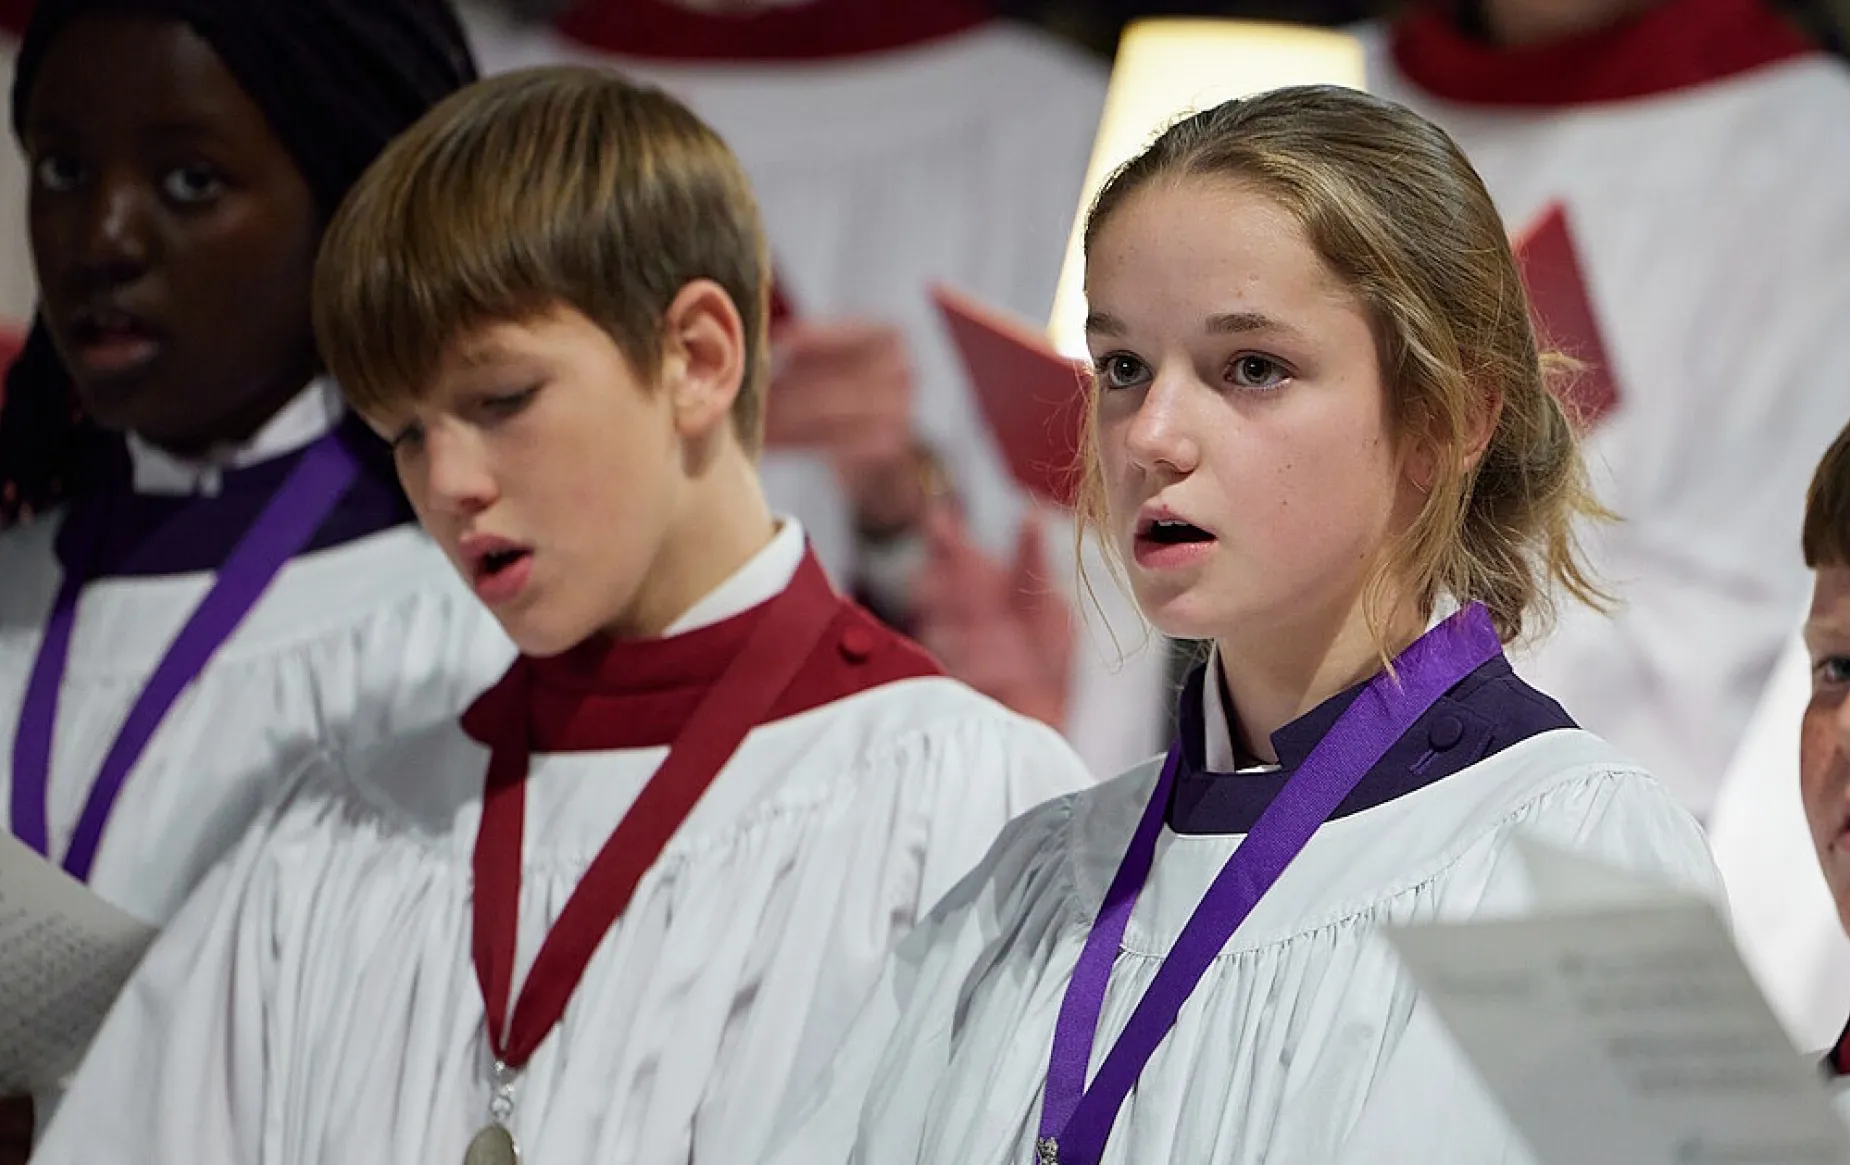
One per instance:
[(314, 411), (763, 576), (1217, 733)]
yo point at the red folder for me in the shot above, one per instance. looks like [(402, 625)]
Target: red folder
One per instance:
[(1033, 398), (1563, 314)]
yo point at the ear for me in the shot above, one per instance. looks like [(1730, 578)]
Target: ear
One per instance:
[(1422, 464), (1481, 428), (703, 357)]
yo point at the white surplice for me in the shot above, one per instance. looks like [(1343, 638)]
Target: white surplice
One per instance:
[(351, 644), (1305, 1041), (316, 1001)]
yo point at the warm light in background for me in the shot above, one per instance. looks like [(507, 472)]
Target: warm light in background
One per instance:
[(1168, 67)]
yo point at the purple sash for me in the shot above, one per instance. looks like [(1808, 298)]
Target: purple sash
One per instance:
[(285, 526), (1076, 1120)]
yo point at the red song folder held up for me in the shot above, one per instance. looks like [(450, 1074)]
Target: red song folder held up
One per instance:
[(1032, 397)]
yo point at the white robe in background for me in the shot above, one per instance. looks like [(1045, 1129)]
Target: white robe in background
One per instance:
[(349, 645), (1712, 224), (1304, 1043), (316, 1001)]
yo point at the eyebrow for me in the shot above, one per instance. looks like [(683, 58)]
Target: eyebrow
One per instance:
[(186, 129), (169, 131), (1829, 629), (1235, 323), (479, 352)]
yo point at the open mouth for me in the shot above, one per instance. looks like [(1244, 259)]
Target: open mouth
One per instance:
[(1173, 532), (498, 561), (108, 340), (500, 570), (1167, 542)]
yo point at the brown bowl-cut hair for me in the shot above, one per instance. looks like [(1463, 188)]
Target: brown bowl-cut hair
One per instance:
[(1390, 204), (1826, 536), (535, 189)]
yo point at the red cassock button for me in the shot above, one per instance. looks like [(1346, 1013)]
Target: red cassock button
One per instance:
[(857, 644)]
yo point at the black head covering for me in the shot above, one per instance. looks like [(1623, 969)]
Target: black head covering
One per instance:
[(337, 80)]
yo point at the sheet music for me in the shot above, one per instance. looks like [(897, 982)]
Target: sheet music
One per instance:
[(64, 955), (1619, 1026)]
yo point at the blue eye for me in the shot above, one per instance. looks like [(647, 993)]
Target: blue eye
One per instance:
[(1832, 670), (1257, 373), (1121, 370), (191, 185)]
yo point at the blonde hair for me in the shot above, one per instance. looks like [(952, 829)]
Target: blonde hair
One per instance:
[(537, 188), (1390, 204)]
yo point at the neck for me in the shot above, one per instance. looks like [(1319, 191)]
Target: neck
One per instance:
[(725, 524), (1278, 673), (238, 427)]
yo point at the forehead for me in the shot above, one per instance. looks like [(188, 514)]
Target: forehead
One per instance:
[(1195, 237), (1829, 617), (118, 75), (486, 354)]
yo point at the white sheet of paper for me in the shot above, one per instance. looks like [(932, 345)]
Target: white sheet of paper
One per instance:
[(1618, 1026), (64, 955)]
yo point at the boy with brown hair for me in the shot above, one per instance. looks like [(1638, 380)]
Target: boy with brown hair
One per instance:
[(1824, 734), (639, 890)]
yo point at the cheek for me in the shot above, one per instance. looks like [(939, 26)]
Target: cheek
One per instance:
[(49, 233), (1352, 470), (1113, 464), (1821, 770), (413, 480), (595, 479), (255, 268)]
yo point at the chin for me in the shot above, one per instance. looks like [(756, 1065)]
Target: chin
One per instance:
[(1180, 615), (541, 640), (1200, 613)]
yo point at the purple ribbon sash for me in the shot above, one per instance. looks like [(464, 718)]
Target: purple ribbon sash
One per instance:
[(285, 526), (1076, 1120)]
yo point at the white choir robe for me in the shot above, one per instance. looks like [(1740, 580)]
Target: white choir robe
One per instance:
[(351, 644), (316, 1001), (958, 161), (1304, 1042), (1711, 227)]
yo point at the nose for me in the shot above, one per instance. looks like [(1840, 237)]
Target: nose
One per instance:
[(450, 474), (1160, 437), (118, 241)]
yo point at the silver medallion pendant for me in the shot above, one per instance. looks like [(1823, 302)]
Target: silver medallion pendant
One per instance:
[(1047, 1151), (494, 1145)]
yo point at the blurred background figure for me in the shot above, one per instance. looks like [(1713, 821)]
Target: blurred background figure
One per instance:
[(1678, 172)]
